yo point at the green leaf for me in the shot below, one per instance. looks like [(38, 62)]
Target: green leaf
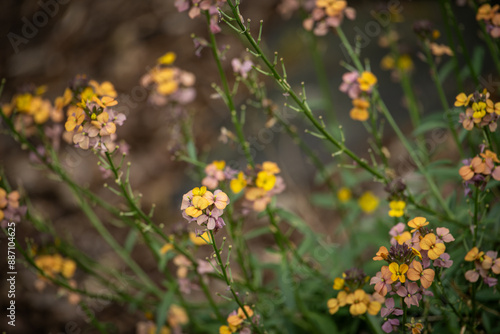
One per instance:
[(161, 311)]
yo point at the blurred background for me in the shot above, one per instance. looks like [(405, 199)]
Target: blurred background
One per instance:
[(119, 41)]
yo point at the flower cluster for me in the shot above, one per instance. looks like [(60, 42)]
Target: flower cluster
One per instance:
[(484, 266), (53, 265), (237, 321), (408, 273), (328, 14), (169, 84), (480, 110), (176, 318), (491, 17), (216, 172), (91, 122), (194, 8), (10, 209), (351, 293), (260, 184), (33, 108), (205, 207), (359, 87), (479, 170)]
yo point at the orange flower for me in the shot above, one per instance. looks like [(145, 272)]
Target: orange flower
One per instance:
[(429, 244), (417, 222), (476, 166), (473, 255), (416, 273), (381, 254)]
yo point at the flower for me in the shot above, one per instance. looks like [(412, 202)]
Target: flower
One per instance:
[(410, 294), (416, 272), (198, 204), (167, 59), (368, 202), (462, 100), (199, 240), (443, 234), (417, 223), (476, 166), (333, 305), (473, 254), (443, 261), (382, 281), (344, 194), (242, 68), (366, 81), (398, 272), (338, 283), (357, 300), (429, 244), (399, 235), (390, 325), (350, 84), (381, 254), (390, 309), (397, 208), (238, 184), (265, 180), (360, 110)]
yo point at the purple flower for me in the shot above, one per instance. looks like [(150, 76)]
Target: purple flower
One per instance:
[(390, 309), (410, 294), (241, 67), (443, 261), (390, 325)]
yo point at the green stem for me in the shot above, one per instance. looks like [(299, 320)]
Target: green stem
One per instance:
[(405, 309), (301, 103), (228, 96), (228, 282), (442, 98)]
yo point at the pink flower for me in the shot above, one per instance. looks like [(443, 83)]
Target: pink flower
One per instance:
[(241, 68), (350, 84), (382, 281), (444, 235), (410, 294)]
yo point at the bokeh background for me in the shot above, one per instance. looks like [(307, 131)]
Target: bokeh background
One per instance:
[(119, 41)]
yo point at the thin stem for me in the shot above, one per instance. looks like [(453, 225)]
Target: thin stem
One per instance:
[(228, 282), (442, 97), (228, 96)]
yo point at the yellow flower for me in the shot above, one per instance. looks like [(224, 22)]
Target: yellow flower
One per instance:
[(417, 222), (177, 316), (333, 305), (473, 254), (344, 194), (429, 244), (198, 240), (479, 109), (492, 107), (167, 59), (398, 272), (367, 81), (75, 119), (219, 164), (368, 202), (387, 63), (104, 89), (199, 204), (87, 94), (23, 102), (68, 268), (225, 330), (405, 63), (234, 320), (397, 208), (358, 301), (105, 101), (338, 283), (199, 191), (265, 180), (238, 184), (462, 100), (270, 167)]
